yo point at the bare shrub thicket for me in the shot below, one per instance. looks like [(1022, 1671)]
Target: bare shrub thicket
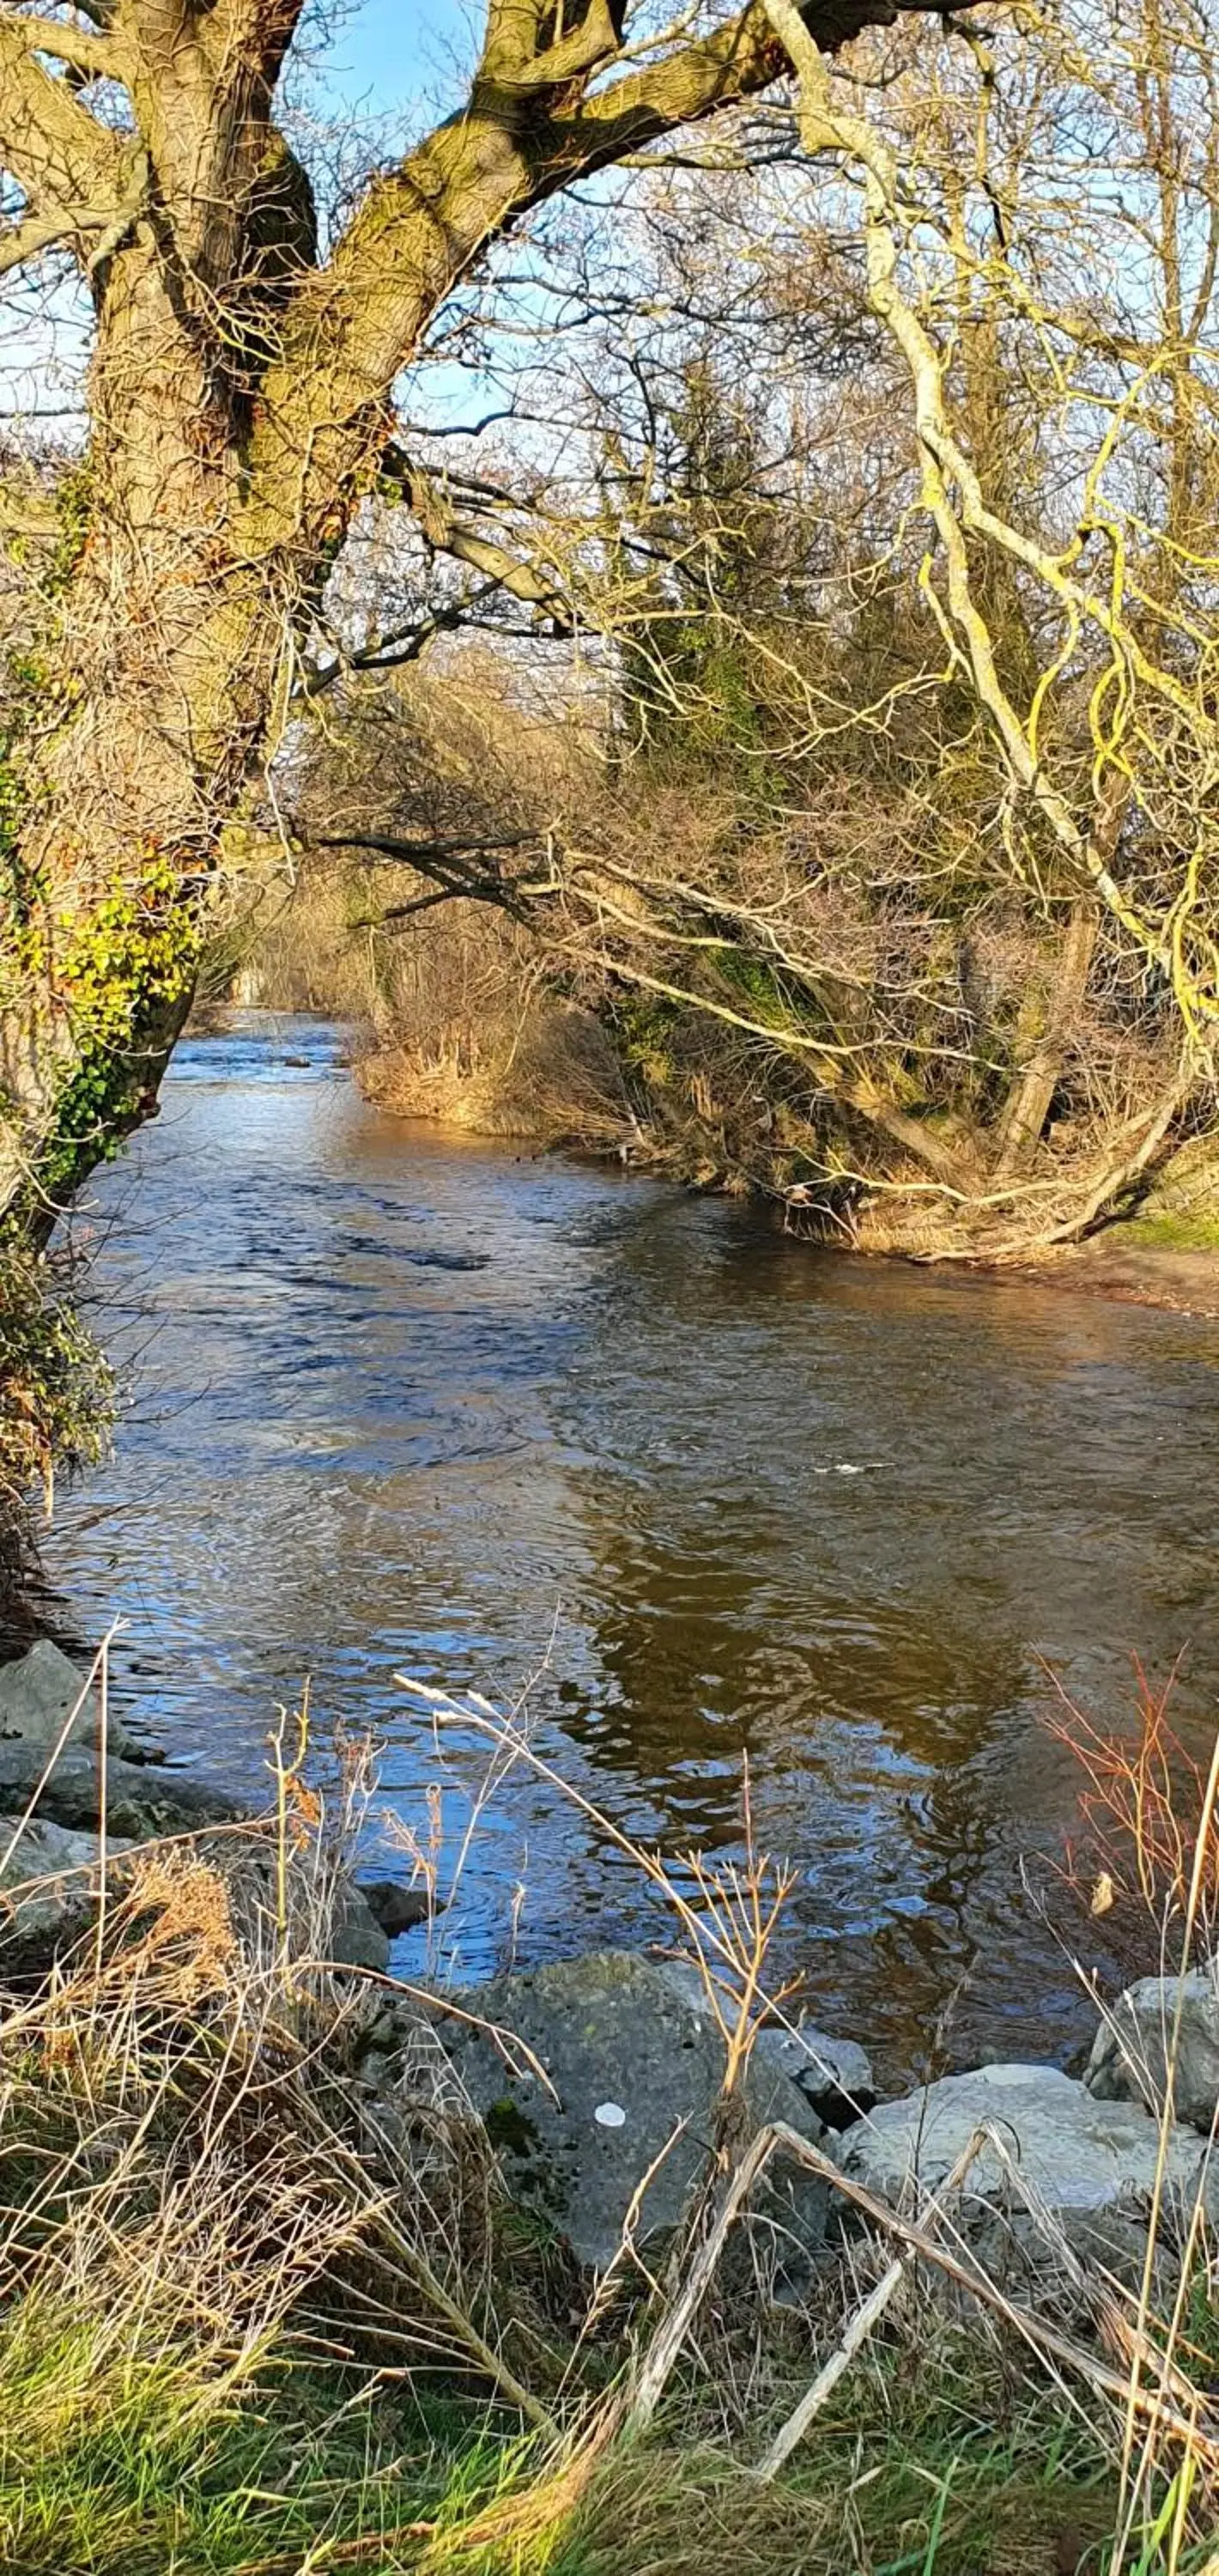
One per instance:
[(466, 1016)]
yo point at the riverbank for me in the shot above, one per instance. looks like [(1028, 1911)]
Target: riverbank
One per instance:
[(309, 2268), (1135, 1261), (554, 1086), (1133, 1269), (252, 2329)]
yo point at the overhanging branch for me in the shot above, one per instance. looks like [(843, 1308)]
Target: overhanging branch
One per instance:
[(462, 870), (349, 329), (94, 55), (58, 153)]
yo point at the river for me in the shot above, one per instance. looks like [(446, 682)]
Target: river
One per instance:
[(401, 1401)]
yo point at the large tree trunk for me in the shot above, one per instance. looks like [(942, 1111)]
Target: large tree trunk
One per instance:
[(136, 739)]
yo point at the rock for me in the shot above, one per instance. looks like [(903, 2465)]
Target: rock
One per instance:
[(1131, 2050), (328, 1920), (1080, 2158), (142, 1800), (39, 1693), (357, 1938), (632, 2063), (48, 1890), (396, 1907), (834, 2075)]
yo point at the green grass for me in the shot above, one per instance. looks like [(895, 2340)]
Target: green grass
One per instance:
[(137, 2456), (155, 2470), (1168, 1234), (137, 2465)]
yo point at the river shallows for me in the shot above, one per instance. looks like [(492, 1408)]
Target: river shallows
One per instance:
[(399, 1400)]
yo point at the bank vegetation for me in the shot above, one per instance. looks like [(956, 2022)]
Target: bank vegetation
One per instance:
[(261, 2316)]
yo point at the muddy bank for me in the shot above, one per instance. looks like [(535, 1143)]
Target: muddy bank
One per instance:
[(1118, 1265)]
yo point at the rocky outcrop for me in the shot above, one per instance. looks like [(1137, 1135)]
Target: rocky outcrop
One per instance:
[(43, 1693), (49, 1879), (48, 1889), (49, 1884), (620, 2122), (1080, 2159), (143, 1800), (1161, 2040)]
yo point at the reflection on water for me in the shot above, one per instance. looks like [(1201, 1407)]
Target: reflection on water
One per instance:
[(403, 1401)]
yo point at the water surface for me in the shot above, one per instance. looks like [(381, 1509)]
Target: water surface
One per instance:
[(402, 1401)]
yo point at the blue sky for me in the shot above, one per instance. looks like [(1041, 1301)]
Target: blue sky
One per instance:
[(388, 53)]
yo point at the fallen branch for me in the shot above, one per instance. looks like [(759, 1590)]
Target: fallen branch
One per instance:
[(860, 2327)]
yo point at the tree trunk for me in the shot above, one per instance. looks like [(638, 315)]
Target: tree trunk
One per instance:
[(135, 737), (1028, 1102)]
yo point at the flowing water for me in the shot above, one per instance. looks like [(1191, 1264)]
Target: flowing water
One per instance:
[(399, 1401)]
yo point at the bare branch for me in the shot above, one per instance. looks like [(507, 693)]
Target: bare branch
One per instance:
[(455, 536), (55, 149), (28, 240), (516, 58), (95, 55), (349, 330)]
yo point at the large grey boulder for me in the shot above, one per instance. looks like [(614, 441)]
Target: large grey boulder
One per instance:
[(1162, 2037), (42, 1693), (635, 2072), (834, 2075), (48, 1889), (143, 1800), (1078, 2157)]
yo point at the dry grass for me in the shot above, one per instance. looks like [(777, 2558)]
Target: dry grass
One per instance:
[(1146, 1858), (541, 1071)]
